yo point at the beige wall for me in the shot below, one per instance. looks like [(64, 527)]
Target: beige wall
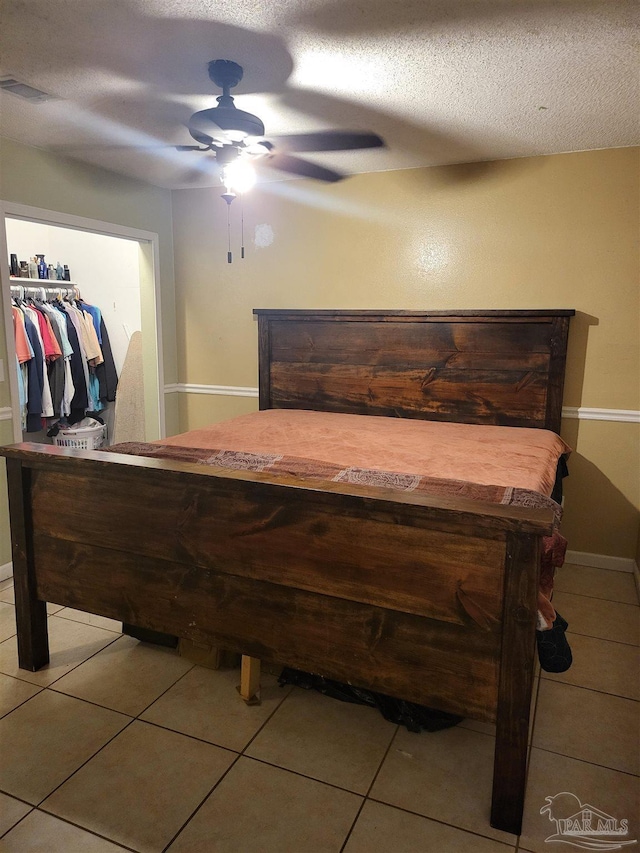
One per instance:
[(548, 232), (34, 177)]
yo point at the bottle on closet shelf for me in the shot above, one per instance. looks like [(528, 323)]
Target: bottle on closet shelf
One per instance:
[(33, 268), (51, 272), (67, 274), (24, 270), (15, 267), (59, 272), (42, 267)]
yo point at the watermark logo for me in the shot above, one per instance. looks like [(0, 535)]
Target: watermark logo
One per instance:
[(583, 825)]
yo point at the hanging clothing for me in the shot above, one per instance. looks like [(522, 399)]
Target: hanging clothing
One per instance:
[(77, 398), (56, 374), (24, 350), (106, 372), (64, 361), (45, 390), (35, 381), (96, 315)]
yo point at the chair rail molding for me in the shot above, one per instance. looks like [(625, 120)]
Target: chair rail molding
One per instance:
[(220, 390), (584, 413)]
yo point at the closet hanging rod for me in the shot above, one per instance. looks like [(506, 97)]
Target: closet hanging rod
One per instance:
[(22, 290)]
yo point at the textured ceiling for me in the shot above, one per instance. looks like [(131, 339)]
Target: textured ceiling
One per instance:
[(442, 81)]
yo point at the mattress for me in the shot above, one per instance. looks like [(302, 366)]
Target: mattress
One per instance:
[(488, 455)]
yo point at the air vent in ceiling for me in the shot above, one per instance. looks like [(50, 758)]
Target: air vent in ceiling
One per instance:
[(22, 90)]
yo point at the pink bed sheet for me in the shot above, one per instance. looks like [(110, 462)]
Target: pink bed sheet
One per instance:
[(488, 455)]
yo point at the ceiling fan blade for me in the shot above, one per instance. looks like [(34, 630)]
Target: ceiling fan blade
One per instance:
[(328, 140), (192, 148), (88, 146), (296, 166)]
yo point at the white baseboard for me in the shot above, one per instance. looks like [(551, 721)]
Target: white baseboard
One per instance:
[(6, 571), (601, 561)]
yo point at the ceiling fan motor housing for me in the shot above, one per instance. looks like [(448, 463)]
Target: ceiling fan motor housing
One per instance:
[(225, 122), (225, 73)]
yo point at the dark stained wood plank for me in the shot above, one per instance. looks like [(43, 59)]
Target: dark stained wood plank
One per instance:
[(515, 684), (31, 613), (405, 342), (264, 360), (411, 316), (406, 359), (304, 544), (446, 666), (559, 342), (491, 397)]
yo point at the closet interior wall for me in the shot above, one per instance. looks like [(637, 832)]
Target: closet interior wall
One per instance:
[(106, 270)]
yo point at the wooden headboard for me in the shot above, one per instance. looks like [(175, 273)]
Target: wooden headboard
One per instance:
[(483, 367)]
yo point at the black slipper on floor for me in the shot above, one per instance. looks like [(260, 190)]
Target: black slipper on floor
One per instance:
[(554, 651)]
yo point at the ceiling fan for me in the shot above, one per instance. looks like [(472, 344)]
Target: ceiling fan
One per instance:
[(236, 137)]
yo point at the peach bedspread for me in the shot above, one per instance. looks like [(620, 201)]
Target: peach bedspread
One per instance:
[(489, 455)]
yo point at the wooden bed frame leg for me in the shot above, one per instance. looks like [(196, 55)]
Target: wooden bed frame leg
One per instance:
[(516, 681), (31, 614), (249, 688)]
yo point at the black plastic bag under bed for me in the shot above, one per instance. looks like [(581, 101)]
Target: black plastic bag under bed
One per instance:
[(415, 718)]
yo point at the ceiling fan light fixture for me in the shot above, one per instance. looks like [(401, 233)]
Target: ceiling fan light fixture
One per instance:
[(238, 176)]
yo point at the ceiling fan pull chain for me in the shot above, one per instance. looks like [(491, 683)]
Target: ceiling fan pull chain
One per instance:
[(242, 226), (229, 197)]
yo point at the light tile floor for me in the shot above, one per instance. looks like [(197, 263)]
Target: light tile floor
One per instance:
[(118, 746)]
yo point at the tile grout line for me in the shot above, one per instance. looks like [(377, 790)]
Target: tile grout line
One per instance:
[(115, 710), (38, 806), (77, 826), (302, 775), (603, 639), (84, 763), (444, 823), (535, 690), (2, 716), (31, 808), (239, 755), (369, 789), (268, 764), (595, 597), (203, 801), (584, 761), (592, 689), (58, 613), (606, 639), (45, 686)]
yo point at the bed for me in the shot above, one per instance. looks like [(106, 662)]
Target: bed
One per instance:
[(213, 555)]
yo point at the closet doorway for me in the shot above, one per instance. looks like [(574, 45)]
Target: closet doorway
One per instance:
[(114, 268)]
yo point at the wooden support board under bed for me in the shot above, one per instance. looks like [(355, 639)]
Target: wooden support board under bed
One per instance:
[(214, 555)]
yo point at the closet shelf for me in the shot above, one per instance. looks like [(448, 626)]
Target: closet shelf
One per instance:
[(41, 282)]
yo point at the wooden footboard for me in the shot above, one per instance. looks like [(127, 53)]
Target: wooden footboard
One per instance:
[(429, 600)]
